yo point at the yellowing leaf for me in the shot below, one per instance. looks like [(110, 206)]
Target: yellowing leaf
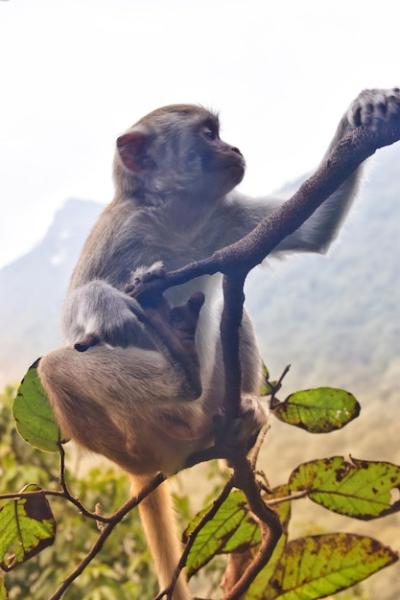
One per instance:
[(317, 566), (27, 526), (360, 489)]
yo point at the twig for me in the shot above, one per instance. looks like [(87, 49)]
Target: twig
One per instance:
[(235, 261), (58, 494), (168, 592), (252, 249), (68, 496), (288, 498), (271, 528), (255, 451), (276, 387), (104, 534)]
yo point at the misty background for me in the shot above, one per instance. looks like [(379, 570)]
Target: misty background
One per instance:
[(75, 74)]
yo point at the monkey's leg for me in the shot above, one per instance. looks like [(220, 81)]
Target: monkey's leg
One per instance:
[(110, 401), (125, 403)]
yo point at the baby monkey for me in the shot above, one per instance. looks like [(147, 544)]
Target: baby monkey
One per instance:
[(174, 202)]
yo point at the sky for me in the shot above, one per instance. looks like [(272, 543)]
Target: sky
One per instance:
[(75, 73)]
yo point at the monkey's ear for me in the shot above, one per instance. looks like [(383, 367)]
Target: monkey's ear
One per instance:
[(131, 147)]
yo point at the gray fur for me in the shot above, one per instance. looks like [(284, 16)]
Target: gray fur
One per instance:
[(122, 398), (176, 216)]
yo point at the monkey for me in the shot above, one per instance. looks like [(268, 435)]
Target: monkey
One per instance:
[(175, 201)]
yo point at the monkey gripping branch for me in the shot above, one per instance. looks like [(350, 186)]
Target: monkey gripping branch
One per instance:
[(173, 329), (235, 262)]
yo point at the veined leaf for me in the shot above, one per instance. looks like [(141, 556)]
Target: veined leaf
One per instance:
[(317, 566), (257, 589), (216, 534), (319, 410), (360, 489), (265, 386), (33, 415), (248, 534), (27, 526)]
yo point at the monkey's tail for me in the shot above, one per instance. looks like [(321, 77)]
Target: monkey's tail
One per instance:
[(158, 520)]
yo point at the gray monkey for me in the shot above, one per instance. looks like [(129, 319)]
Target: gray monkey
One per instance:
[(174, 202)]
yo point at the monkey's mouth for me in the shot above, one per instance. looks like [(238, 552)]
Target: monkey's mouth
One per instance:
[(236, 163), (235, 169)]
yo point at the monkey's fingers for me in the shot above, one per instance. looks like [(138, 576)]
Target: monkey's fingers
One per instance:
[(88, 342)]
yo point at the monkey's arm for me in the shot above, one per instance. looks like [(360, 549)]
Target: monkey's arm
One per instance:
[(317, 233), (100, 310)]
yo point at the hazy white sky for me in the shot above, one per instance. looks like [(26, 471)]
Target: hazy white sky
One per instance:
[(74, 73)]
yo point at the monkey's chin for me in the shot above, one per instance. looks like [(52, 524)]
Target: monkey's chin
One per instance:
[(236, 172)]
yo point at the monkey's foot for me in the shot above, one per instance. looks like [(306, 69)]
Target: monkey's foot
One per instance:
[(373, 107)]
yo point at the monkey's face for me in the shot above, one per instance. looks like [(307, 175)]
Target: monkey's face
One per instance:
[(177, 150)]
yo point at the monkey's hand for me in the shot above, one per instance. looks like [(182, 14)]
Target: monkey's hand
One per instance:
[(371, 108), (98, 312)]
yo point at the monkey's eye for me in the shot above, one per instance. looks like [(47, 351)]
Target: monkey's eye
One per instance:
[(209, 132)]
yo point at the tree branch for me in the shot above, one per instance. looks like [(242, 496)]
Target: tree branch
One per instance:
[(235, 261), (350, 152), (168, 592), (106, 531)]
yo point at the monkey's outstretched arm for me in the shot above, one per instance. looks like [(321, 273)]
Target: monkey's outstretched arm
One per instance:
[(317, 233)]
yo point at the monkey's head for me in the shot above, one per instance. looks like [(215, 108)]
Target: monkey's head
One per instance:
[(176, 150)]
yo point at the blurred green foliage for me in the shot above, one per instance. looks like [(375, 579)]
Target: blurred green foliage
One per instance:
[(122, 569)]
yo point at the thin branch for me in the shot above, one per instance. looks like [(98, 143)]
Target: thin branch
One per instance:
[(230, 323), (255, 451), (252, 249), (288, 498), (106, 531), (271, 528), (168, 592), (68, 496), (58, 494), (235, 261)]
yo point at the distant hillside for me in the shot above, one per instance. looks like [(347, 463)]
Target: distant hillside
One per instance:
[(33, 287), (335, 317)]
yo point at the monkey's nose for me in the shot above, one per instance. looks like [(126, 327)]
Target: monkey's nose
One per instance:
[(234, 149)]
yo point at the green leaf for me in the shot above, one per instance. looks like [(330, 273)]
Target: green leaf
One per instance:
[(261, 582), (317, 566), (319, 410), (266, 388), (248, 534), (33, 415), (265, 372), (231, 529), (360, 489), (27, 526)]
